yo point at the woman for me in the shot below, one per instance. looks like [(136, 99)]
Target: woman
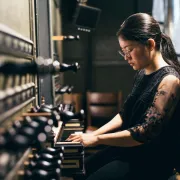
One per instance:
[(145, 142)]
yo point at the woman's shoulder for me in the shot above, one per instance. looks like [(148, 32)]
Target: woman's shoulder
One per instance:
[(161, 73), (171, 71)]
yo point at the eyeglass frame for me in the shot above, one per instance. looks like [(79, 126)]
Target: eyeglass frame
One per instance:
[(126, 53)]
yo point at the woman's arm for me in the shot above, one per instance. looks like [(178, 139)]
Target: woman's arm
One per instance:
[(156, 119), (122, 138), (115, 123)]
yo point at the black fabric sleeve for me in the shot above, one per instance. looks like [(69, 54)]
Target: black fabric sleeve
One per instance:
[(159, 113)]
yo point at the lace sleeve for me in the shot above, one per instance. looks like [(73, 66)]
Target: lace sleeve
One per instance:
[(159, 112)]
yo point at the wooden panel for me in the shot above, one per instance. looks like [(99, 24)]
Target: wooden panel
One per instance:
[(103, 98), (15, 14), (102, 112)]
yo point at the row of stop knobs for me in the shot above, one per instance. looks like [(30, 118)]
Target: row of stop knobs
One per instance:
[(33, 132), (35, 129), (44, 164)]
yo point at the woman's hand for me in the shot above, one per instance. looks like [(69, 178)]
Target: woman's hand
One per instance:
[(85, 139)]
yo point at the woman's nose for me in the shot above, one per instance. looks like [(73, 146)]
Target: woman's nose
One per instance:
[(126, 57)]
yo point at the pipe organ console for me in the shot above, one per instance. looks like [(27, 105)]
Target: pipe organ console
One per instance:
[(33, 137)]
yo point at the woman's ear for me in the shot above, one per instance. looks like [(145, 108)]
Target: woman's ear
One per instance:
[(151, 44)]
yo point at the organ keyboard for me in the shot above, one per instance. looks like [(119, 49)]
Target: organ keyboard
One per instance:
[(73, 162)]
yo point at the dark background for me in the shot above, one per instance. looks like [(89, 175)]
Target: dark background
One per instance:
[(102, 68)]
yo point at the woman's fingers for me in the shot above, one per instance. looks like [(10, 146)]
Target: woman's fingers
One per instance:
[(86, 140), (73, 137), (76, 140)]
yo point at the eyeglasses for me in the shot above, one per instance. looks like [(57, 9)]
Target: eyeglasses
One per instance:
[(125, 53)]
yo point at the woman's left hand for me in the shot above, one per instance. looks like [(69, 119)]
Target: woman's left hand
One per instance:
[(85, 139)]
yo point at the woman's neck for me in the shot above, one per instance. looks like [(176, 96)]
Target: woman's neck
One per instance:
[(156, 63)]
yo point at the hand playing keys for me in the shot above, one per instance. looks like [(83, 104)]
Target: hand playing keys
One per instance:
[(85, 139)]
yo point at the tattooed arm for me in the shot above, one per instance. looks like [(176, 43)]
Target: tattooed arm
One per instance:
[(156, 119), (160, 112)]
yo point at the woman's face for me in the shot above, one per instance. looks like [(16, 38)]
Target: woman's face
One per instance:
[(136, 54)]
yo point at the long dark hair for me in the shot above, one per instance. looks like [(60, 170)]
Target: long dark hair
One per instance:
[(140, 27)]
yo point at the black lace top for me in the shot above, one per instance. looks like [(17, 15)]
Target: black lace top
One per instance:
[(151, 113)]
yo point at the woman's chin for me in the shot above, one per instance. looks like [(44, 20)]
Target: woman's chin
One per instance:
[(135, 68)]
